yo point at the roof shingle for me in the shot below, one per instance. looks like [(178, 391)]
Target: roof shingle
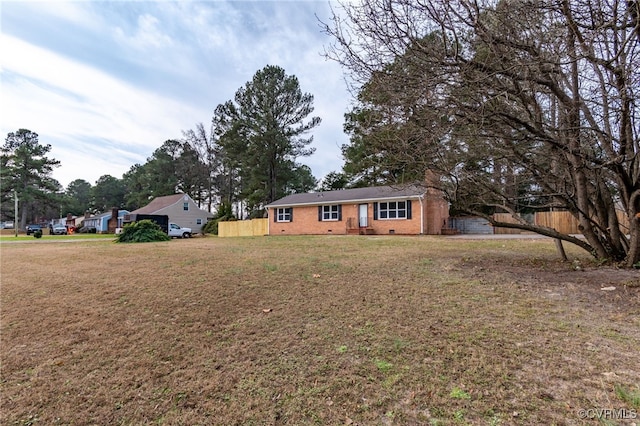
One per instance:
[(376, 193), (159, 203)]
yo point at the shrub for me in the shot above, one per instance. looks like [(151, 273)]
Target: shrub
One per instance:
[(144, 231), (224, 214), (37, 233), (211, 227)]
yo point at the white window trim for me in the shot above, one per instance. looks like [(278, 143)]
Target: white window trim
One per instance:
[(387, 210), (281, 214), (330, 212)]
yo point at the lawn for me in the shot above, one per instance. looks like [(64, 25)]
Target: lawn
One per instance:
[(316, 330), (8, 235)]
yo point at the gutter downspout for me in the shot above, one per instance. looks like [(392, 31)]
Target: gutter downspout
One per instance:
[(420, 198)]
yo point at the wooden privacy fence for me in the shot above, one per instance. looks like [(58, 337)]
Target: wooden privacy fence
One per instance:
[(562, 222), (505, 217), (243, 228)]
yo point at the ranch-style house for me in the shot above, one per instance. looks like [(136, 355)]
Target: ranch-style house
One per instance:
[(407, 210)]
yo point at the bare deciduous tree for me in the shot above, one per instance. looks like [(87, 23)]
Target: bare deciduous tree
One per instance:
[(518, 104), (204, 145)]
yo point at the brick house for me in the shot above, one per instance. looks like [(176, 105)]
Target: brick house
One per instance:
[(407, 210)]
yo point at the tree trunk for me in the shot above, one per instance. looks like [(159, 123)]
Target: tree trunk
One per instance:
[(572, 134), (560, 248), (633, 255)]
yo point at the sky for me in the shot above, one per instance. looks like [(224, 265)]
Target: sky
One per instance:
[(105, 83)]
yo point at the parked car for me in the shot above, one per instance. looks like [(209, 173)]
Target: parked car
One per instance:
[(8, 224), (33, 228), (58, 230)]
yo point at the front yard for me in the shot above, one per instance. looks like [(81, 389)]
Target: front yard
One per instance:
[(316, 330)]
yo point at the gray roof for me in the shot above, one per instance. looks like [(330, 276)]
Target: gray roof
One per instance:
[(159, 203), (356, 195)]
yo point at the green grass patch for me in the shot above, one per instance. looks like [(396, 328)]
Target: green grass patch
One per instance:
[(631, 397), (47, 237), (383, 366), (458, 393)]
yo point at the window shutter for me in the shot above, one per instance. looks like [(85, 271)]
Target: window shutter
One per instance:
[(339, 211), (408, 209), (375, 211), (319, 213), (275, 214), (290, 214)]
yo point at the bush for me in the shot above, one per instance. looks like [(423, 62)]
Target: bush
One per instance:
[(224, 214), (211, 227), (144, 231), (37, 233)]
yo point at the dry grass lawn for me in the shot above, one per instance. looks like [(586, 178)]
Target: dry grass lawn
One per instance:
[(315, 330)]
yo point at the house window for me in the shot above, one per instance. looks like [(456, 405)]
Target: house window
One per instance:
[(185, 206), (198, 221), (329, 213), (392, 210), (284, 214)]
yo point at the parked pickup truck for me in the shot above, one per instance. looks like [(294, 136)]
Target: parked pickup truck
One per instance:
[(176, 231)]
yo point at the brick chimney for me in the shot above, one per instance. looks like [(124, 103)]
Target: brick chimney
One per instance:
[(69, 221), (431, 179), (435, 205), (112, 223)]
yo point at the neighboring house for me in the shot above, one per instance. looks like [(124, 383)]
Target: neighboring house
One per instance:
[(106, 222), (71, 222), (408, 210), (181, 210)]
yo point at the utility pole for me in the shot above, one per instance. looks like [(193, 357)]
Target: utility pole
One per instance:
[(15, 220)]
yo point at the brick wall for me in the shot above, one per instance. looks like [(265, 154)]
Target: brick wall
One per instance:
[(305, 220)]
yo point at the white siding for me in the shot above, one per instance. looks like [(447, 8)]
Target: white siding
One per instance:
[(187, 219)]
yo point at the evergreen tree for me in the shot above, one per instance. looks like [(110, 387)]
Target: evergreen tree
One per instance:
[(26, 171), (109, 192), (78, 198), (261, 133)]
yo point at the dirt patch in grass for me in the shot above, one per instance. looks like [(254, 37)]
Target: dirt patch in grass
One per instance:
[(316, 330)]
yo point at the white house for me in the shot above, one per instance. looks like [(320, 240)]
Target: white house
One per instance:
[(181, 210)]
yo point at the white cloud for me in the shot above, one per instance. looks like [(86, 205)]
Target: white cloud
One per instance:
[(106, 83), (71, 12), (70, 101), (148, 35)]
